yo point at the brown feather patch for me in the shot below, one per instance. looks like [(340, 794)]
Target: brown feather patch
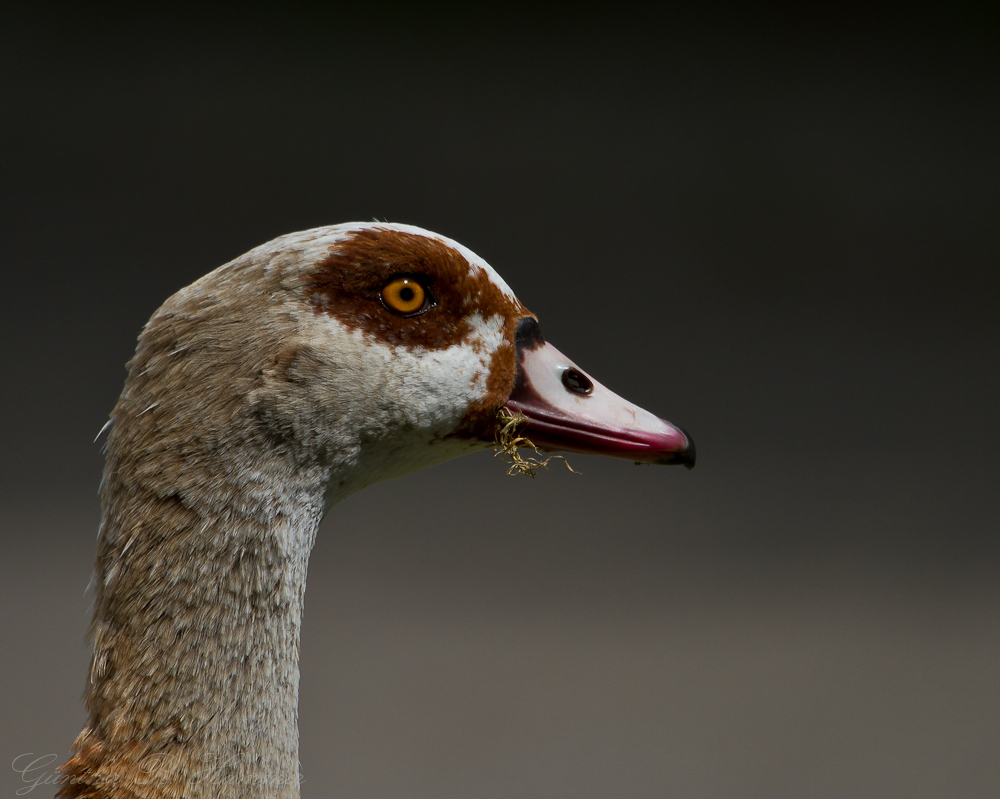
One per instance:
[(348, 282)]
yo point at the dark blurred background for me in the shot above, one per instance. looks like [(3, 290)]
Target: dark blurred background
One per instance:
[(781, 234)]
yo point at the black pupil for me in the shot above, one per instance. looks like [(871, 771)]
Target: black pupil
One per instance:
[(406, 294), (577, 382)]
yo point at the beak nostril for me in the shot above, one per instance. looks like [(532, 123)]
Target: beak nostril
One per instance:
[(577, 382)]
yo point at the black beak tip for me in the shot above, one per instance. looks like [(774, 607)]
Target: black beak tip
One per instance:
[(682, 457), (691, 452)]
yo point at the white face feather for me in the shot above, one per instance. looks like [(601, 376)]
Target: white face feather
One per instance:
[(404, 402)]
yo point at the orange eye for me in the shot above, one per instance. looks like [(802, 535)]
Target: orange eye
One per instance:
[(404, 295)]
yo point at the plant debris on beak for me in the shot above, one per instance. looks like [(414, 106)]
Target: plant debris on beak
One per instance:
[(508, 443)]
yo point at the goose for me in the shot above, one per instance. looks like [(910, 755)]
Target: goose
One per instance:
[(258, 397)]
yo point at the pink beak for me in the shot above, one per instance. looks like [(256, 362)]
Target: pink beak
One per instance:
[(570, 411)]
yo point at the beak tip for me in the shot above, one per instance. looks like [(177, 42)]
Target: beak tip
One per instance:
[(690, 453), (686, 456)]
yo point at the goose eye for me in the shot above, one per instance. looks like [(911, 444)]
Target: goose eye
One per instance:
[(405, 296)]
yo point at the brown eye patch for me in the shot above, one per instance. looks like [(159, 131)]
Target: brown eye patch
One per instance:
[(350, 283)]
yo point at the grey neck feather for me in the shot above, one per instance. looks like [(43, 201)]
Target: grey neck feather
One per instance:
[(196, 631)]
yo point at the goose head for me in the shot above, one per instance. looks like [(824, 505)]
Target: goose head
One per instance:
[(381, 349), (259, 396)]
